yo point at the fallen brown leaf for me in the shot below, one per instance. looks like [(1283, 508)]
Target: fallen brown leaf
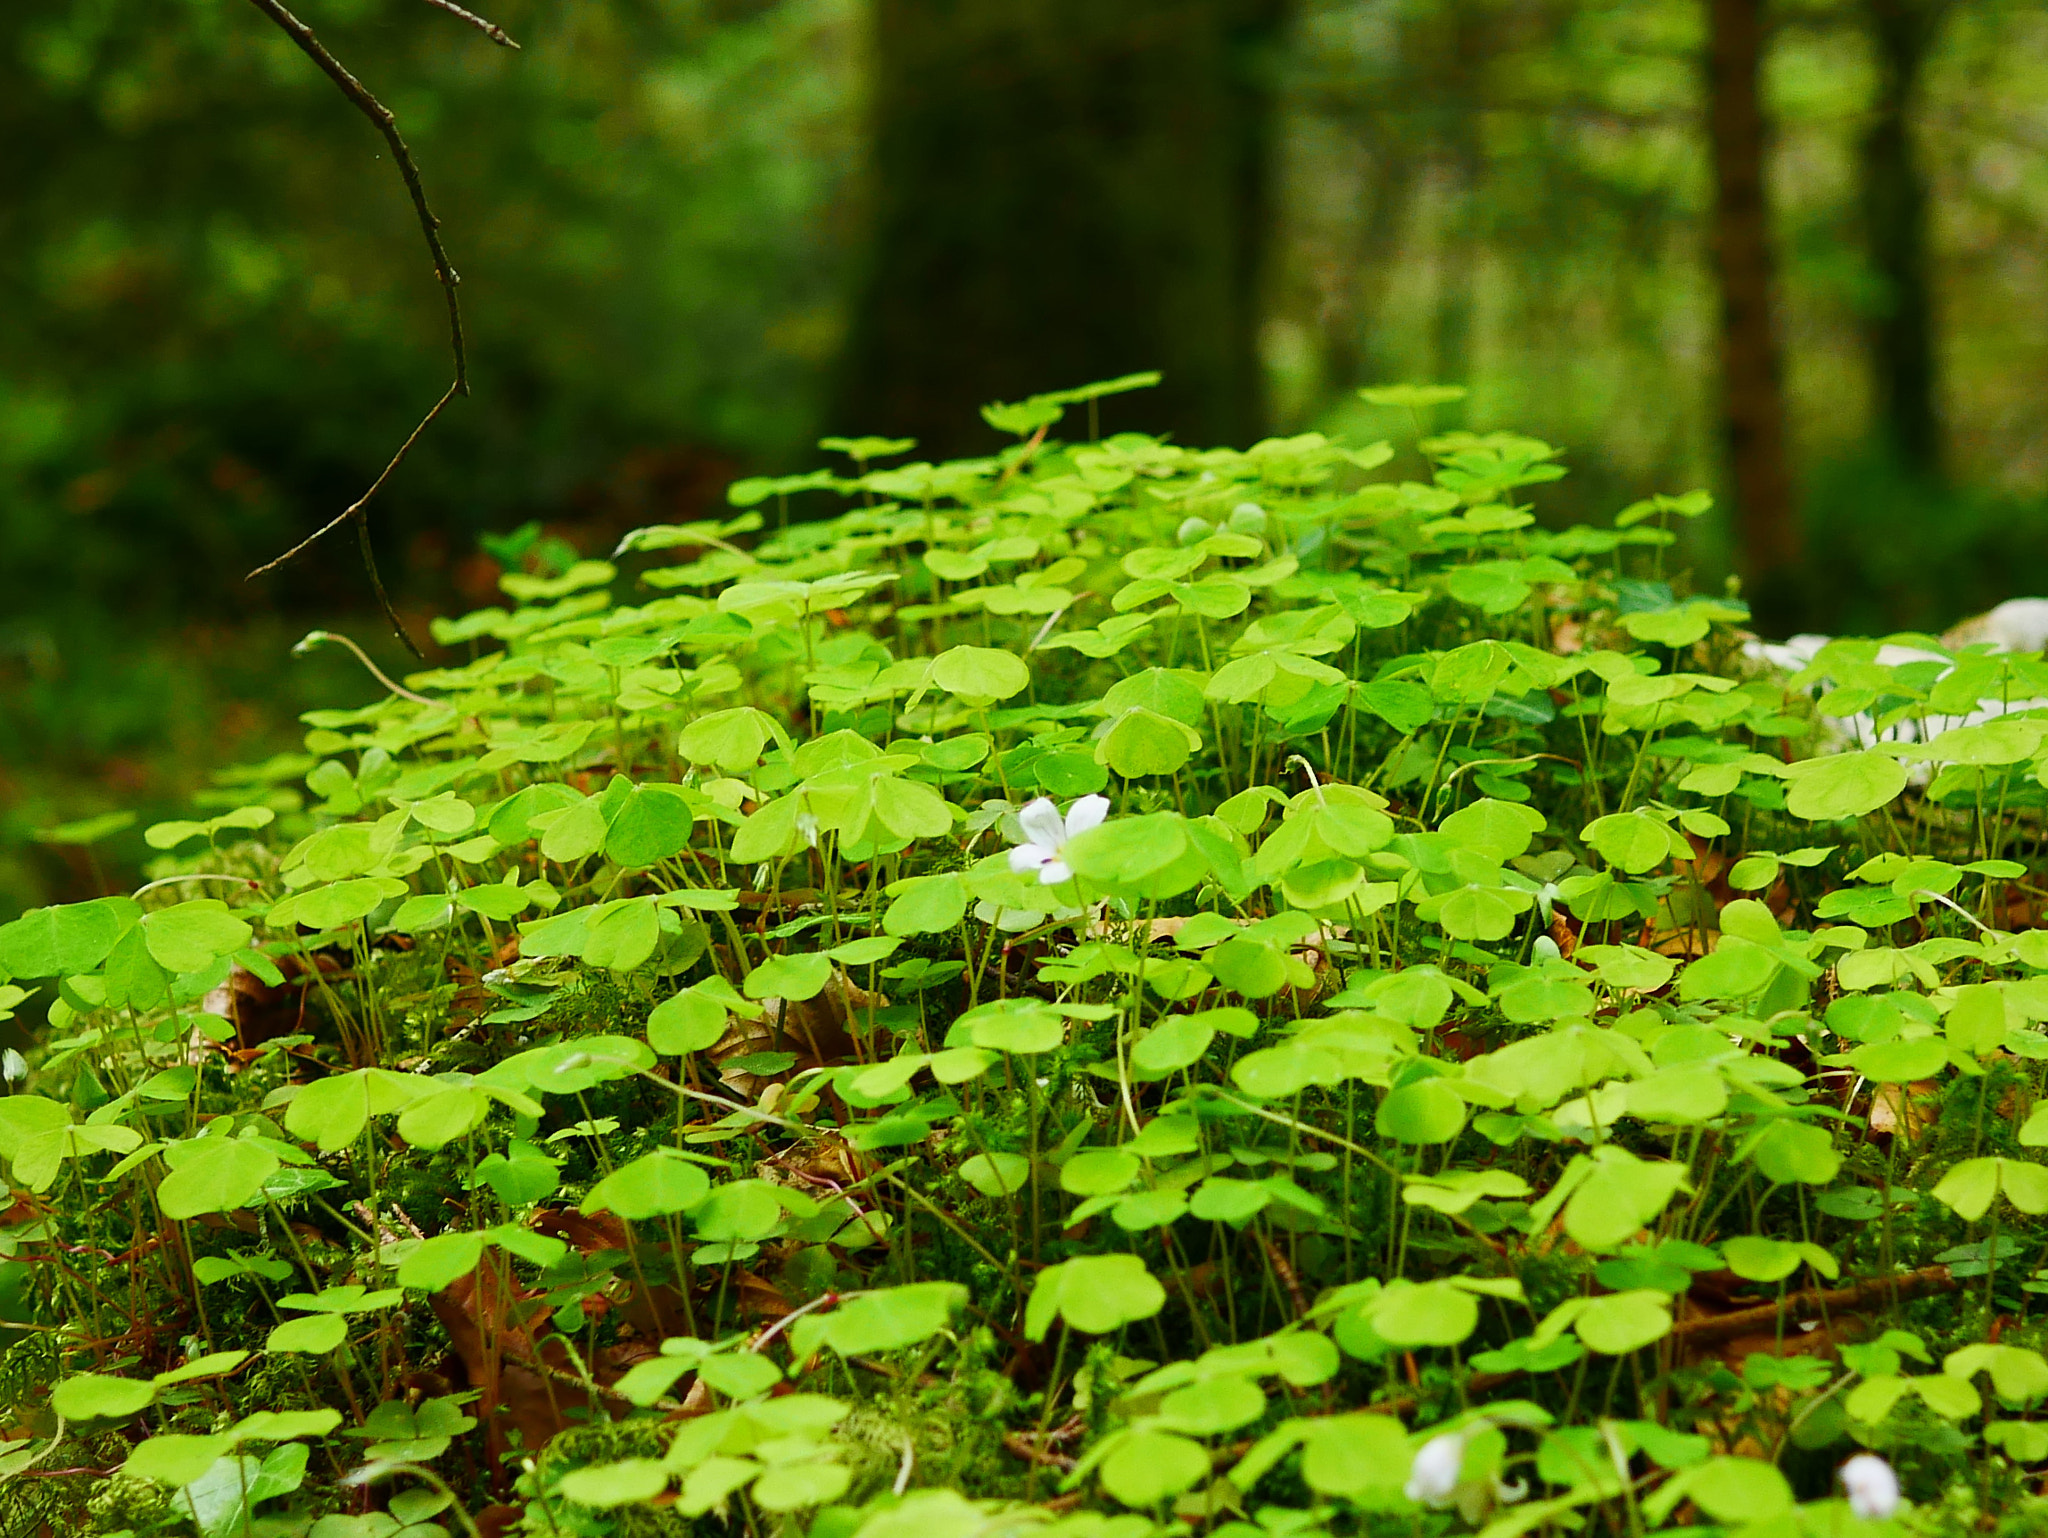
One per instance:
[(1903, 1107)]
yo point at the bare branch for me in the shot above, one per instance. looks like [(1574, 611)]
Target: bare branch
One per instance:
[(1711, 1329), (377, 586), (490, 29), (1714, 1329), (356, 507), (386, 124)]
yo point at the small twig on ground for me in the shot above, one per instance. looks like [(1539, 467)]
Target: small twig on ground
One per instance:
[(1022, 1446), (822, 1300), (490, 29), (1709, 1329), (382, 119), (1285, 1271)]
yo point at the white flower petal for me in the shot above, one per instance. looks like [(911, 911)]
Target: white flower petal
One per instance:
[(1042, 825), (1053, 872), (1086, 813), (1029, 857)]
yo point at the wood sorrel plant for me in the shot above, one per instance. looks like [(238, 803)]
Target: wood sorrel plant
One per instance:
[(1106, 988)]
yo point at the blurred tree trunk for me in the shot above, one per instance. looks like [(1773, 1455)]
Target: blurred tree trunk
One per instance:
[(1352, 318), (1459, 48), (1895, 222), (1064, 191), (1752, 387)]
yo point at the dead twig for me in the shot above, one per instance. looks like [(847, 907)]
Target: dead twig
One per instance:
[(490, 29), (1711, 1329), (65, 1473), (383, 120), (1705, 1330), (1285, 1271), (1023, 1447)]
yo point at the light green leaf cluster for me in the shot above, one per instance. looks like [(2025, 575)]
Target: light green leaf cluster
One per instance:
[(1222, 976)]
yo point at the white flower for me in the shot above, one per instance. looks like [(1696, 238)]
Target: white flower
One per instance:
[(1046, 835), (1873, 1487), (1433, 1477)]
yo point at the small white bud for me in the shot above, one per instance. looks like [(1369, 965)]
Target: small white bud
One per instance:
[(1872, 1487), (1433, 1477), (13, 1066)]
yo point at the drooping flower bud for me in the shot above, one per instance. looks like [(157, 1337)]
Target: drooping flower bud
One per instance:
[(1872, 1486), (1433, 1476)]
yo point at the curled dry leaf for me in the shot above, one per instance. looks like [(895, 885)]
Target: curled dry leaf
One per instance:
[(819, 1030), (523, 1371), (261, 1011)]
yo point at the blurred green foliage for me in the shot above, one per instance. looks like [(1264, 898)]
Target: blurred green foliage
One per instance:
[(220, 319), (217, 319), (1514, 194)]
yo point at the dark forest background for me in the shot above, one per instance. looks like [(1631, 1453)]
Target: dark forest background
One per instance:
[(1793, 252)]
